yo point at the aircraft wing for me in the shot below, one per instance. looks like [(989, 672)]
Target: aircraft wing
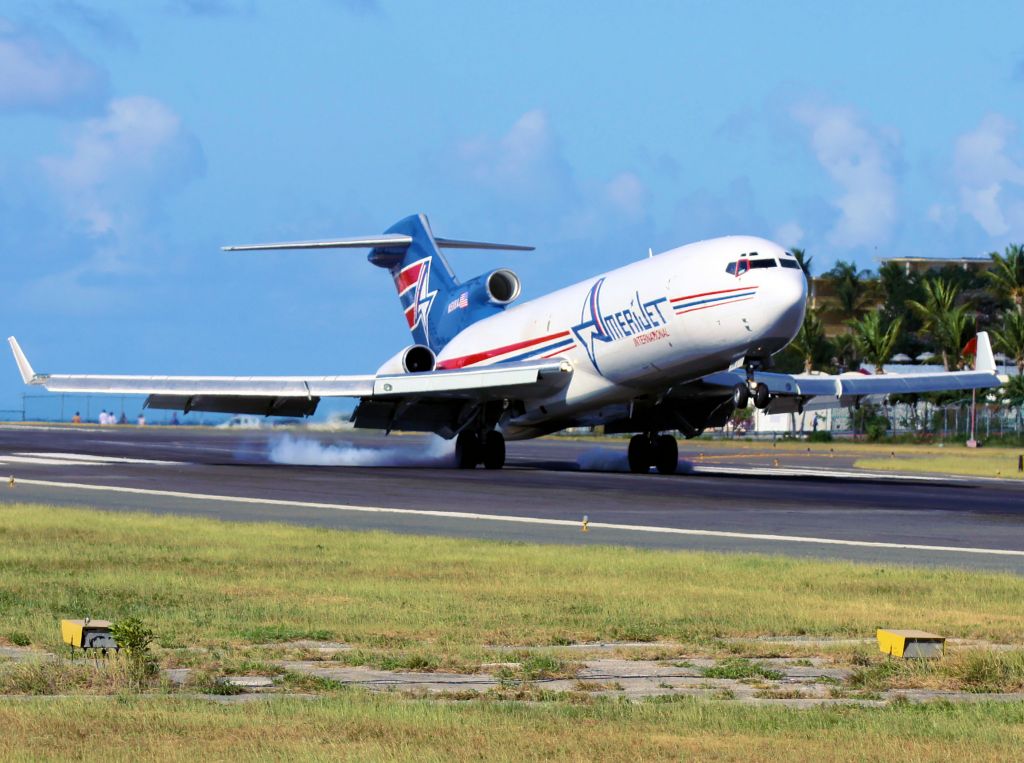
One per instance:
[(299, 395), (799, 392)]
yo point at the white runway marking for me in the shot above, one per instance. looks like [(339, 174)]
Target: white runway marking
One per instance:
[(73, 459), (526, 520)]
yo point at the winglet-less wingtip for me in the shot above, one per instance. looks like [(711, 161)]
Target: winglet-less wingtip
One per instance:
[(984, 360), (27, 374)]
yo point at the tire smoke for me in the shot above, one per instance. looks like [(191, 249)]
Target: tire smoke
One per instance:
[(435, 452)]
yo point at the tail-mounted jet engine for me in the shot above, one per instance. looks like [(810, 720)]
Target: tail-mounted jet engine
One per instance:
[(414, 359), (499, 287)]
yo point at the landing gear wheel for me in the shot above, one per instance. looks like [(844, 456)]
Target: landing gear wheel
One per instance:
[(494, 450), (467, 450), (740, 396), (762, 396), (666, 454), (640, 454)]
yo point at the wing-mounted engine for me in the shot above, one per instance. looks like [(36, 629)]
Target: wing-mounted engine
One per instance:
[(414, 359)]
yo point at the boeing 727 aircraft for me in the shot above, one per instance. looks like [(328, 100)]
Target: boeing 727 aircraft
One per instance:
[(674, 342)]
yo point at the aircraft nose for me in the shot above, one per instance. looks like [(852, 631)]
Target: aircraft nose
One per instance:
[(786, 296)]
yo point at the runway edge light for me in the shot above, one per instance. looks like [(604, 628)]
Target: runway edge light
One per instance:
[(910, 644)]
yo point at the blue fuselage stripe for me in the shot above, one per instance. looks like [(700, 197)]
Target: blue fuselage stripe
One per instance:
[(685, 305)]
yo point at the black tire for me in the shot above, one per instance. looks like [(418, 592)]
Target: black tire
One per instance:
[(762, 396), (666, 454), (740, 396), (467, 450), (493, 450), (639, 454)]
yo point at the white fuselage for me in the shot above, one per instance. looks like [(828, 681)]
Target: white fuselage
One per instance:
[(639, 329)]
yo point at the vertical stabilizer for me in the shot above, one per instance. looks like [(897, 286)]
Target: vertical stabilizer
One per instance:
[(424, 280)]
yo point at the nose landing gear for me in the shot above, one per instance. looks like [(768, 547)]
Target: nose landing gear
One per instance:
[(652, 449), (742, 393)]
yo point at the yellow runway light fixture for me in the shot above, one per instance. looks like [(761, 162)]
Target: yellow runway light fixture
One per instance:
[(910, 644), (87, 635)]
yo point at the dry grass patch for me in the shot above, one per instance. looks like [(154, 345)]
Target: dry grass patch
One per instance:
[(356, 726)]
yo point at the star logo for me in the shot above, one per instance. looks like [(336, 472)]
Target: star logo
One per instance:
[(424, 298), (591, 328)]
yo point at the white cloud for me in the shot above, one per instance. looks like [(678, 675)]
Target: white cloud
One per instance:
[(627, 193), (989, 173), (524, 162), (789, 234), (860, 161), (526, 169), (121, 162), (44, 73)]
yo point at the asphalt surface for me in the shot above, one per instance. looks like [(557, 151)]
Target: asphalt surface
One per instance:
[(768, 502)]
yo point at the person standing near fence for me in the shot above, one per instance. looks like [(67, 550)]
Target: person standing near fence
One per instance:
[(77, 418)]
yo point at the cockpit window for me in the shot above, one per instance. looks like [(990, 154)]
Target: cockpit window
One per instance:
[(758, 264), (790, 264), (740, 266)]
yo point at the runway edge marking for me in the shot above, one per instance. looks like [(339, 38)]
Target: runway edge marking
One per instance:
[(521, 520)]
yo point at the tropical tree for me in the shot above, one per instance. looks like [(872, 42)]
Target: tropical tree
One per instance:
[(874, 340), (895, 287), (849, 287), (947, 323), (1013, 392), (810, 343), (1010, 338), (1007, 274), (846, 357), (804, 259)]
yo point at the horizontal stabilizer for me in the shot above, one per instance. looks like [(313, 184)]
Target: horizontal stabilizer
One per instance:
[(383, 241), (454, 243), (360, 242)]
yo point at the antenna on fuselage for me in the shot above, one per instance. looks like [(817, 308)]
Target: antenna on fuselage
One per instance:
[(650, 252)]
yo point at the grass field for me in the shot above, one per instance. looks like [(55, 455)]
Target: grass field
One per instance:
[(210, 583), (434, 603), (359, 726), (951, 458)]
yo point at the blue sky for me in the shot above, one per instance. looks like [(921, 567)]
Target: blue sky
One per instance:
[(140, 137)]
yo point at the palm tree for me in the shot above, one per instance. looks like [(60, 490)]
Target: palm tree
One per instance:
[(810, 343), (804, 260), (942, 319), (850, 287), (874, 342), (846, 356), (1010, 338), (1007, 274)]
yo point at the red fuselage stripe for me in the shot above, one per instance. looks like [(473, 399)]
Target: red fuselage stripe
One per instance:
[(709, 293), (716, 304), (468, 360)]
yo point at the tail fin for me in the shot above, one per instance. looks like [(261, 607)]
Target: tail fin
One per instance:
[(431, 295), (423, 278)]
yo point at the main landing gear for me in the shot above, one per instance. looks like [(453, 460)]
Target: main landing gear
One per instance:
[(651, 449), (472, 448)]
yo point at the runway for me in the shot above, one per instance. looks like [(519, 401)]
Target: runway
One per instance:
[(726, 502)]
